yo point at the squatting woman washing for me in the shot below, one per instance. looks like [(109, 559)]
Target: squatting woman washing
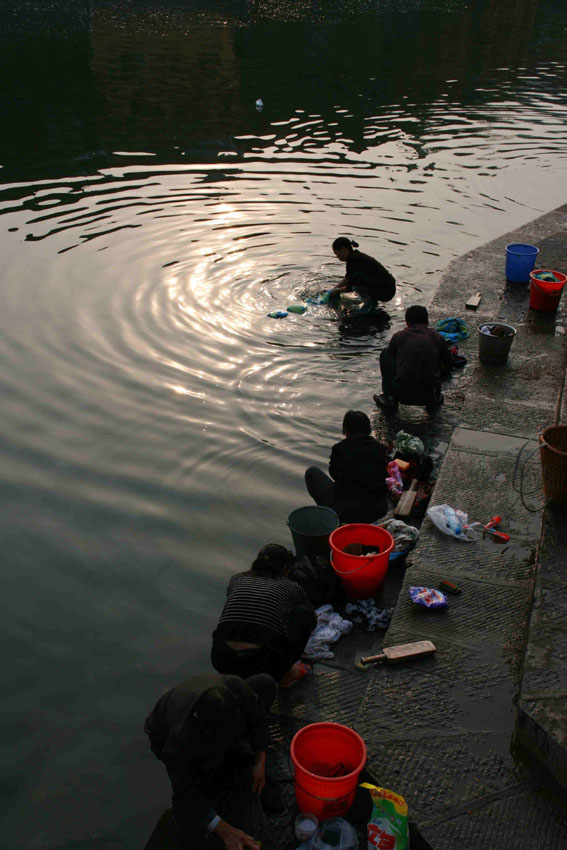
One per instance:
[(266, 621), (364, 275)]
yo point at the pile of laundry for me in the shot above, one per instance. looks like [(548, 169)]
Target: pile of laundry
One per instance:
[(368, 615), (407, 444), (405, 536), (330, 626), (452, 329)]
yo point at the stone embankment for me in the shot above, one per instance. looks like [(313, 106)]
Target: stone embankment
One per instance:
[(451, 732)]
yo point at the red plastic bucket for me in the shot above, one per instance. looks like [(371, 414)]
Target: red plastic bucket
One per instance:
[(545, 294), (361, 575), (326, 748)]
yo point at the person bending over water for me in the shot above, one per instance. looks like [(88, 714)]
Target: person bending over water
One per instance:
[(266, 621), (211, 734), (364, 275), (356, 490)]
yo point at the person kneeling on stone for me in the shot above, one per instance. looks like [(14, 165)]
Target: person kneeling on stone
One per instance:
[(266, 621), (356, 489), (211, 734), (413, 363)]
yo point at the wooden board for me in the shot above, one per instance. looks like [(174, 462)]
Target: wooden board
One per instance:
[(405, 505), (473, 301), (408, 650), (393, 654)]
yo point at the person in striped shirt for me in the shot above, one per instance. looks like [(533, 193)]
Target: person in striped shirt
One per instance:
[(266, 621)]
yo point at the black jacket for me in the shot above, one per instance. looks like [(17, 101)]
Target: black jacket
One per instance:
[(191, 760), (358, 468), (422, 356), (381, 284)]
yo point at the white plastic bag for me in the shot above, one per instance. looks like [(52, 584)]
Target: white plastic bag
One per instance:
[(453, 522), (335, 834)]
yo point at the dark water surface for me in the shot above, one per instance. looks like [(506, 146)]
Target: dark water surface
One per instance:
[(155, 423)]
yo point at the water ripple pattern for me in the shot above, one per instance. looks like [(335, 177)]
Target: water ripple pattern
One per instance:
[(156, 423)]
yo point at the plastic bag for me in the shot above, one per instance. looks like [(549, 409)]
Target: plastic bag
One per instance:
[(335, 834), (429, 597), (453, 522), (388, 827), (394, 481)]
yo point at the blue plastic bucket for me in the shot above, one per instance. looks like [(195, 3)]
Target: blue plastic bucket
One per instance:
[(398, 556), (520, 260)]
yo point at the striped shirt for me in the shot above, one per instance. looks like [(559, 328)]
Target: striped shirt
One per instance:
[(261, 602)]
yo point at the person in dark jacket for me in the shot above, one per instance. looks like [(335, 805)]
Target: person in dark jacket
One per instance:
[(356, 488), (211, 734), (266, 621), (364, 275), (413, 363)]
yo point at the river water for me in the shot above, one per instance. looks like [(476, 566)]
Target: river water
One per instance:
[(156, 424)]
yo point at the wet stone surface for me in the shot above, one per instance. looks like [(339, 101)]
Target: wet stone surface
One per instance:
[(523, 820), (541, 727), (439, 730), (521, 418)]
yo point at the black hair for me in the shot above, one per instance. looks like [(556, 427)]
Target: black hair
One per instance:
[(215, 708), (356, 422), (417, 315), (272, 560), (343, 242)]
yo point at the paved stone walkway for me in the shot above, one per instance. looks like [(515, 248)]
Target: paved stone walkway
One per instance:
[(439, 731)]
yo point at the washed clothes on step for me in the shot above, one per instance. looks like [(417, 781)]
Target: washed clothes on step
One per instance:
[(365, 273), (201, 758), (330, 626), (413, 363), (357, 488), (274, 614), (368, 615), (405, 536)]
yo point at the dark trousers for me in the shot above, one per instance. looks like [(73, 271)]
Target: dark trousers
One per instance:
[(392, 386), (371, 288), (322, 490), (274, 661)]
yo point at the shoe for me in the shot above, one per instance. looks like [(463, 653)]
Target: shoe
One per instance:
[(302, 670), (458, 361), (387, 401)]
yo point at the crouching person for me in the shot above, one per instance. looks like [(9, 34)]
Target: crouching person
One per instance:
[(211, 734), (413, 364), (356, 489), (266, 621)]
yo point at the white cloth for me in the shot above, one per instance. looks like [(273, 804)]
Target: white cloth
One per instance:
[(330, 626)]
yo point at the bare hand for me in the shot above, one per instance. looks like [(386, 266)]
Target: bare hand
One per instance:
[(234, 839)]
